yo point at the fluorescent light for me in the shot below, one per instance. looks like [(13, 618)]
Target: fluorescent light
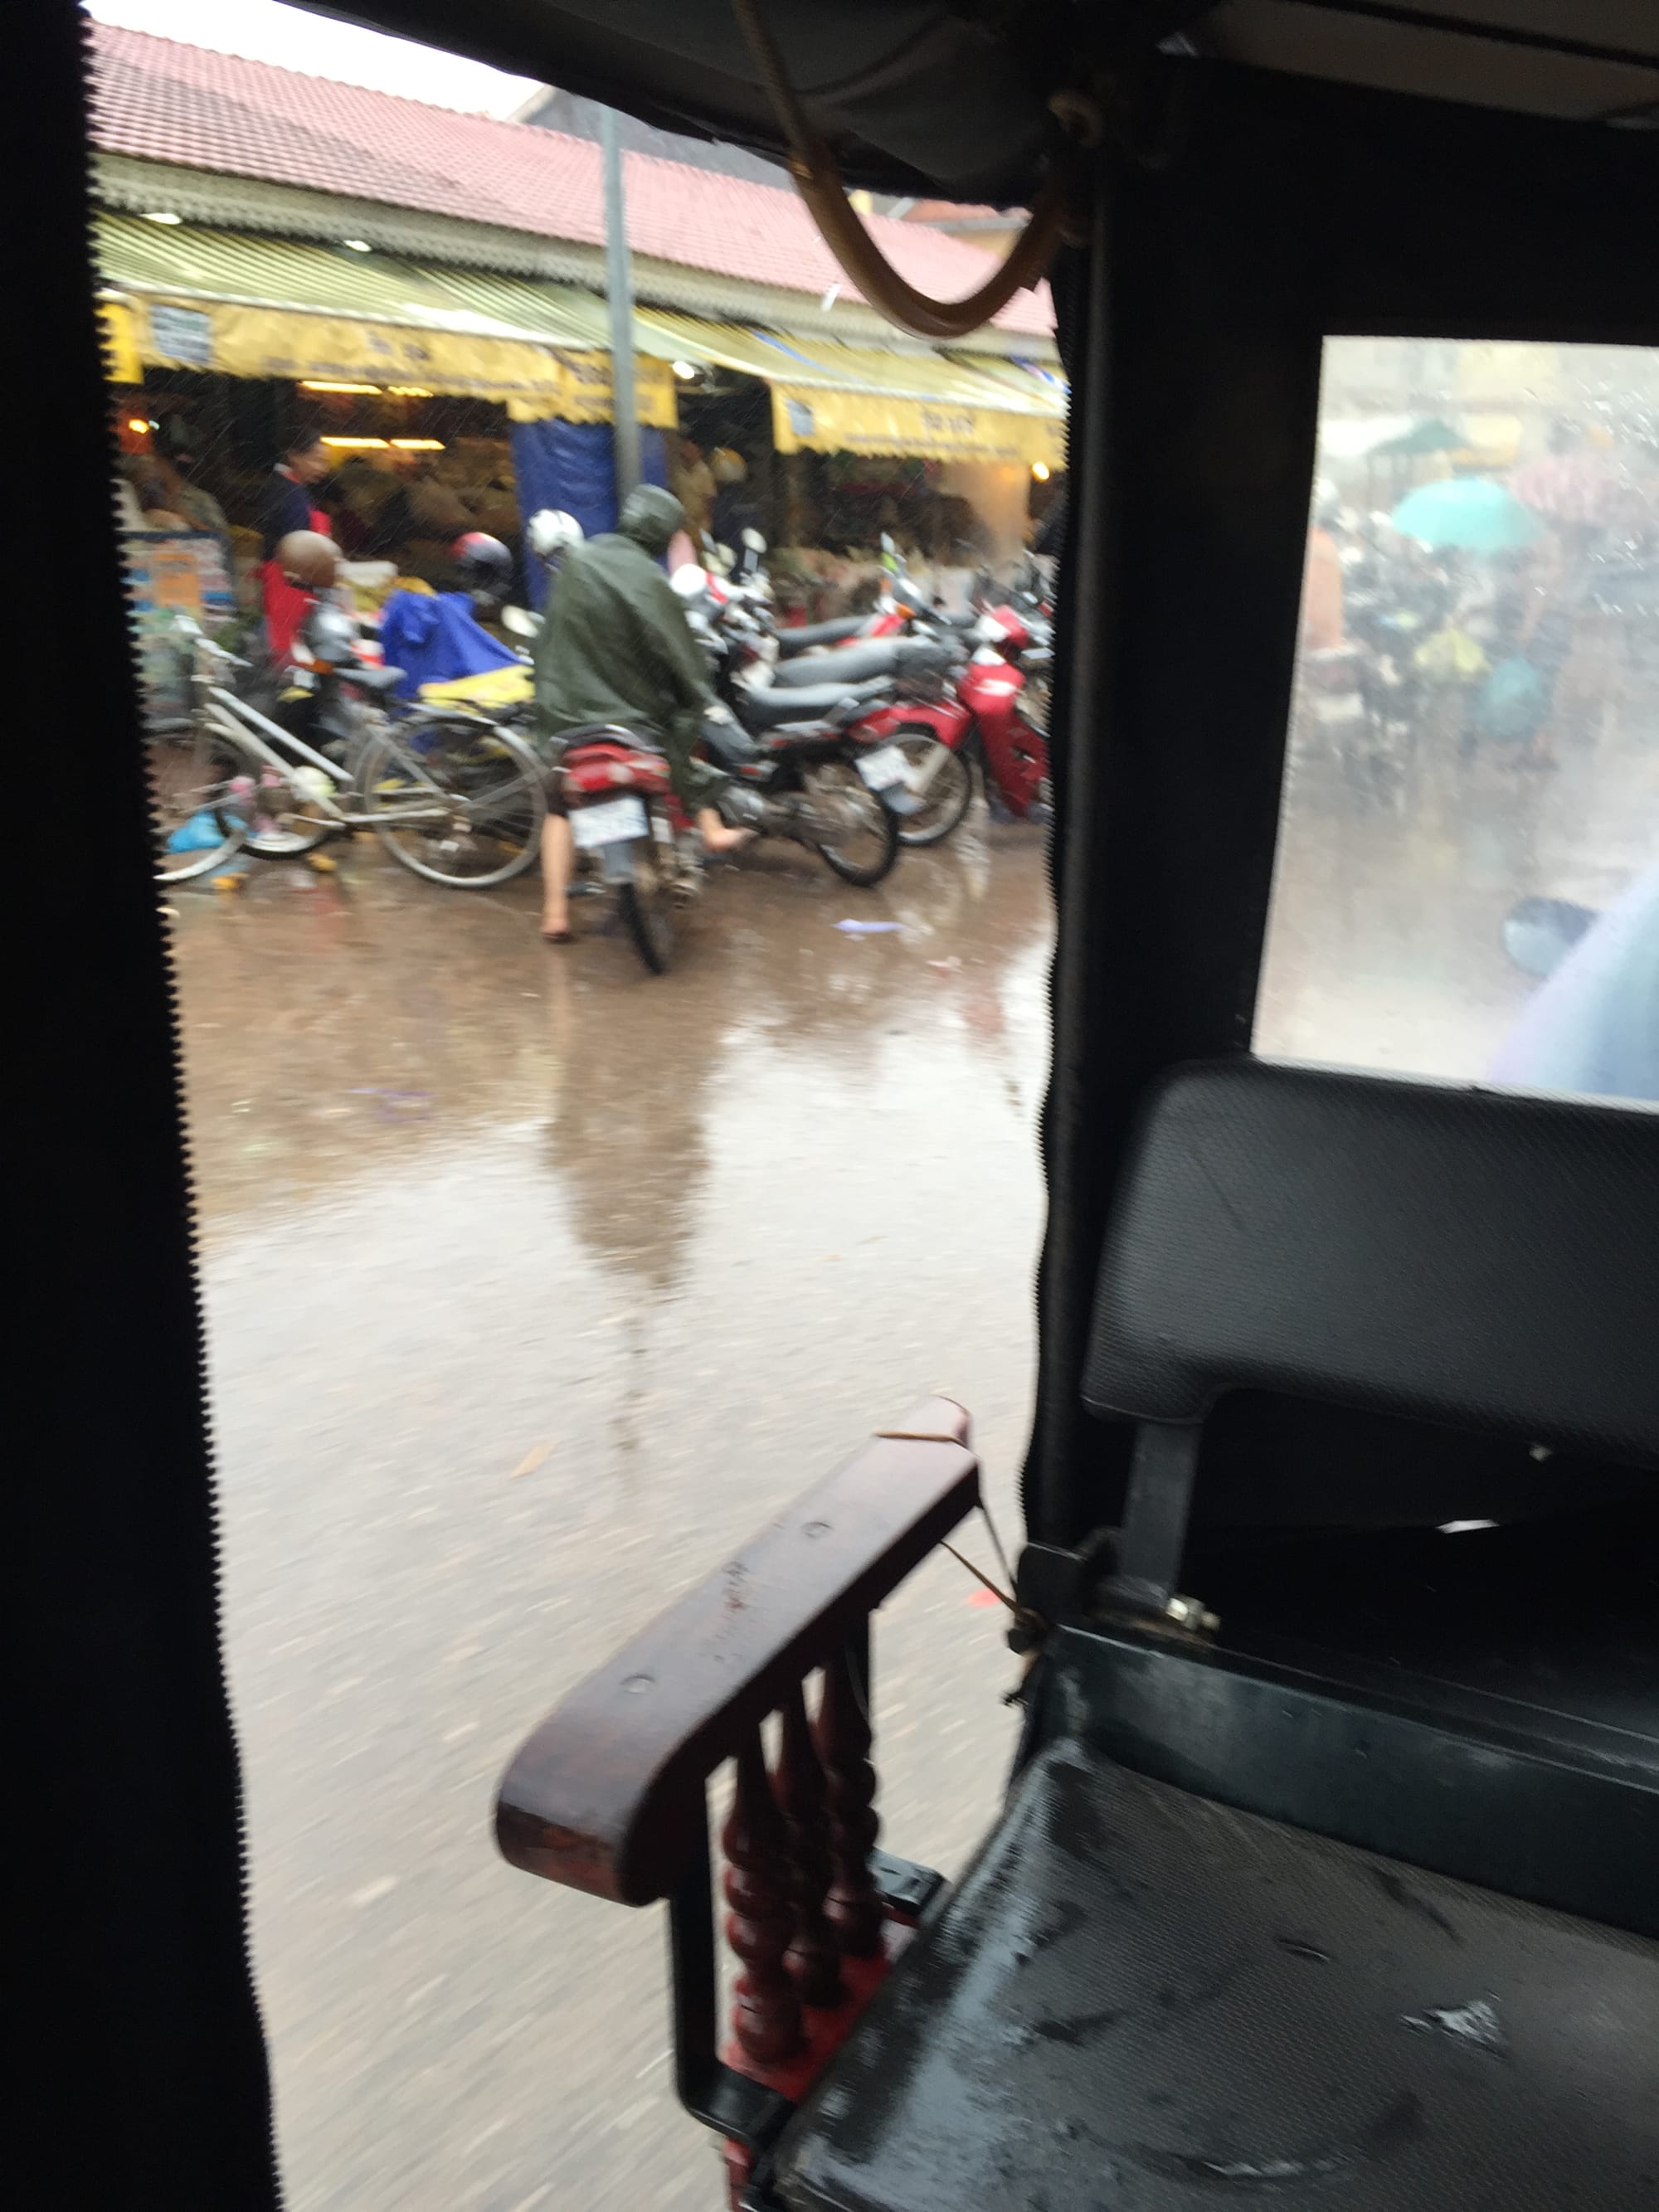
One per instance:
[(357, 245), (409, 391), (359, 445), (1040, 470), (686, 371), (418, 445), (327, 384), (161, 214)]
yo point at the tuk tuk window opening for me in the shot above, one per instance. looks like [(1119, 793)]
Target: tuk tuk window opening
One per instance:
[(1466, 880)]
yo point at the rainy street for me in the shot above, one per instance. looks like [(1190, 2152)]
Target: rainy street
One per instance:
[(533, 1283)]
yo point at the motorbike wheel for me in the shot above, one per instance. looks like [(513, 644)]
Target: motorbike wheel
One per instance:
[(460, 803), (644, 902), (864, 842), (941, 779)]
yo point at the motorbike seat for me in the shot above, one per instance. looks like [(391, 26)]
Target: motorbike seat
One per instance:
[(612, 733), (729, 743), (855, 664), (768, 710), (367, 678), (803, 638)]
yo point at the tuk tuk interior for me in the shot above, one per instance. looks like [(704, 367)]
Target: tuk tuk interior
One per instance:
[(1328, 1866)]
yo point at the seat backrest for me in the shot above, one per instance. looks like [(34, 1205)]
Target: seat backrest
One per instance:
[(1484, 1259)]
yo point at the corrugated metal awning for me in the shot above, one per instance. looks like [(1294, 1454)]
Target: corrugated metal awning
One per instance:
[(257, 305), (269, 306)]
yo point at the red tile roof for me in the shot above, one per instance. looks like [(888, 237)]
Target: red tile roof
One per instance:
[(162, 101)]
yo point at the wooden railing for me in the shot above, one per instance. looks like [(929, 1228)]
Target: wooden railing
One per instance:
[(610, 1794)]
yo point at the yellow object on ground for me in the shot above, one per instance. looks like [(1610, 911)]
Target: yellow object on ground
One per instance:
[(1451, 656), (495, 687)]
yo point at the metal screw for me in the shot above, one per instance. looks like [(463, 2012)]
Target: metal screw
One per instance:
[(1192, 1613)]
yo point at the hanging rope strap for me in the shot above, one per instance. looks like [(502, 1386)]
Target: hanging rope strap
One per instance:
[(812, 165)]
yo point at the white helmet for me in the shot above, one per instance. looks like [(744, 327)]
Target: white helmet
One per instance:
[(552, 534)]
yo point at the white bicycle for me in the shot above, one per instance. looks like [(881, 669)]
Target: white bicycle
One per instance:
[(452, 796)]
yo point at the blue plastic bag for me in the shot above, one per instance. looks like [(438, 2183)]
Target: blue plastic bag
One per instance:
[(201, 832)]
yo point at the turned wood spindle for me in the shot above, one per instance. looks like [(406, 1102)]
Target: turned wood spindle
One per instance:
[(814, 1957), (766, 2012), (843, 1739)]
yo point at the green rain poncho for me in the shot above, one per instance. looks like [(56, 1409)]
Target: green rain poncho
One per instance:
[(615, 645)]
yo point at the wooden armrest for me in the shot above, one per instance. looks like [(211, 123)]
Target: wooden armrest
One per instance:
[(607, 1795)]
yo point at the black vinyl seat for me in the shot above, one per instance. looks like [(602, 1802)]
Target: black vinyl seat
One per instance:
[(770, 709), (805, 635), (1138, 1998), (1353, 1898), (879, 656)]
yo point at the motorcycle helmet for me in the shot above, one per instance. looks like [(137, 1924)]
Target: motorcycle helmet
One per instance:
[(328, 638), (309, 558), (484, 568), (552, 534)]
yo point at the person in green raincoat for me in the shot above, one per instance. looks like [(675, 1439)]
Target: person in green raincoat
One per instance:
[(615, 647)]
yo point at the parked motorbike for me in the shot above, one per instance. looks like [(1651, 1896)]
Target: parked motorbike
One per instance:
[(801, 754), (988, 708)]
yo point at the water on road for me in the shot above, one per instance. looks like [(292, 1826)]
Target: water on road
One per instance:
[(533, 1283)]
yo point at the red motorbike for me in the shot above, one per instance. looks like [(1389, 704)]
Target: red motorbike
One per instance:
[(991, 718), (990, 721), (631, 830)]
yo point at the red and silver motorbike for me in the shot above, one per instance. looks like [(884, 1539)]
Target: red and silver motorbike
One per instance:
[(631, 830), (975, 704)]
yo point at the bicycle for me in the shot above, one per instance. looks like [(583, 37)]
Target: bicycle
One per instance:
[(454, 796)]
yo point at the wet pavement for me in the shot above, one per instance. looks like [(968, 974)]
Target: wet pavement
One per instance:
[(533, 1283)]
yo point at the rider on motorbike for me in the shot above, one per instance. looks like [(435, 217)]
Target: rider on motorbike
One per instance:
[(615, 647)]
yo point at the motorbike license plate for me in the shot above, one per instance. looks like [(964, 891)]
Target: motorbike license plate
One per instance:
[(608, 824), (882, 770)]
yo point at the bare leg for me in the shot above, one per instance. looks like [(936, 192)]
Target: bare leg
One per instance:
[(718, 836), (558, 857)]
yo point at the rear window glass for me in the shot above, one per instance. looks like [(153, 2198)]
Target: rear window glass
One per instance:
[(1467, 879)]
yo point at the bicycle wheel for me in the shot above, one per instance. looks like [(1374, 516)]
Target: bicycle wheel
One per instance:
[(460, 803), (202, 782), (287, 820)]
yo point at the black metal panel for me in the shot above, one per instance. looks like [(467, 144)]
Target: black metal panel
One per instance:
[(139, 2076), (1559, 1811), (1263, 214)]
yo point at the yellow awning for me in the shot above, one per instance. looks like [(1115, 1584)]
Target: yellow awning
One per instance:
[(261, 307), (533, 380), (123, 363), (861, 399), (826, 421), (272, 307)]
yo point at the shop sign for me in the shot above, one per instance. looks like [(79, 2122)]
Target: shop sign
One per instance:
[(828, 422), (181, 335), (172, 573)]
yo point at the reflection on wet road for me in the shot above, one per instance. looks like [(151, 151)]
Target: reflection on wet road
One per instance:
[(533, 1283)]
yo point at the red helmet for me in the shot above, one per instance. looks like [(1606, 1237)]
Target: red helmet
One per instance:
[(483, 565)]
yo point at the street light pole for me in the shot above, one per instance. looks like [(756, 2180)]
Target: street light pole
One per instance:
[(619, 280)]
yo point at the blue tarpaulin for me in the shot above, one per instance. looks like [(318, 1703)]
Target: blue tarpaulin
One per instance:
[(435, 638), (571, 465)]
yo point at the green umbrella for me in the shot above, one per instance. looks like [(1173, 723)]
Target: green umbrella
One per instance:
[(1470, 512)]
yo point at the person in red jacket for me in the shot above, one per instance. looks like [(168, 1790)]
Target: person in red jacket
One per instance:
[(286, 509)]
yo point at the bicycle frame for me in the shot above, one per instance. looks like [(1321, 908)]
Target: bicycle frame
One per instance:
[(271, 743)]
